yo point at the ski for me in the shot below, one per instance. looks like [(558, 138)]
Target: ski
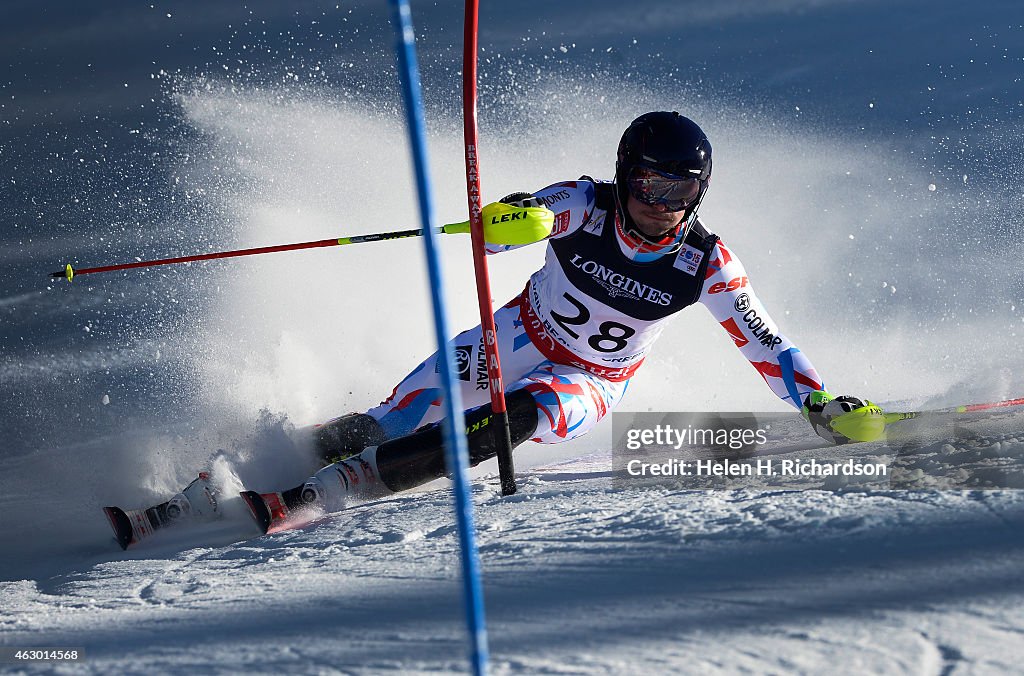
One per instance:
[(264, 508), (197, 501), (131, 526), (278, 511)]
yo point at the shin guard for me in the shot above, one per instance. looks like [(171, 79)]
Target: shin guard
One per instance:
[(415, 459)]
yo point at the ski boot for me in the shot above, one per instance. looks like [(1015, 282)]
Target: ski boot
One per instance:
[(198, 500)]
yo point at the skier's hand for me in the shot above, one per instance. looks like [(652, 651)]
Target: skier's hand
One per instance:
[(519, 218), (840, 420)]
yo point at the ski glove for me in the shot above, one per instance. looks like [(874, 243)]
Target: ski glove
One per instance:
[(843, 419), (519, 218)]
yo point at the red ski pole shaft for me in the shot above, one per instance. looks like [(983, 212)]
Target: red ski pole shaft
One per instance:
[(966, 408), (69, 272), (995, 404)]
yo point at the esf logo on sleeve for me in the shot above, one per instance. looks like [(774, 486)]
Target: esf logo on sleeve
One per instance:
[(731, 285)]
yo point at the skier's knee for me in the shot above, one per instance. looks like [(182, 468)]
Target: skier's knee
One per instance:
[(346, 436), (483, 435), (419, 457)]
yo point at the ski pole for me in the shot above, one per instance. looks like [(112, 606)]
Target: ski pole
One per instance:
[(966, 408), (69, 272), (505, 224)]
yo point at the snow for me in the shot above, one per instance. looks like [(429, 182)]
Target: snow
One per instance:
[(584, 573), (579, 578), (269, 125)]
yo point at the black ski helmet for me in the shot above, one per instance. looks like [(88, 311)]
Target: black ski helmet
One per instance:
[(666, 142)]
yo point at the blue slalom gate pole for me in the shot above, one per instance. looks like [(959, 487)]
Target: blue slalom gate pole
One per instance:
[(454, 425)]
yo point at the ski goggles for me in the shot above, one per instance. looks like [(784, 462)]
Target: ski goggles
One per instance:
[(653, 187)]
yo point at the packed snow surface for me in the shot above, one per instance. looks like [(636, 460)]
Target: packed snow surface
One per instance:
[(866, 173), (583, 574)]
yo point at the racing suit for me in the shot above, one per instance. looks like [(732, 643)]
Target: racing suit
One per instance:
[(572, 340)]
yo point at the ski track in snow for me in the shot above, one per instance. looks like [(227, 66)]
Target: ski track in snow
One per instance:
[(580, 577)]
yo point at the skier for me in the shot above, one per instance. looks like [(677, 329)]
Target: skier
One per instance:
[(622, 257)]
